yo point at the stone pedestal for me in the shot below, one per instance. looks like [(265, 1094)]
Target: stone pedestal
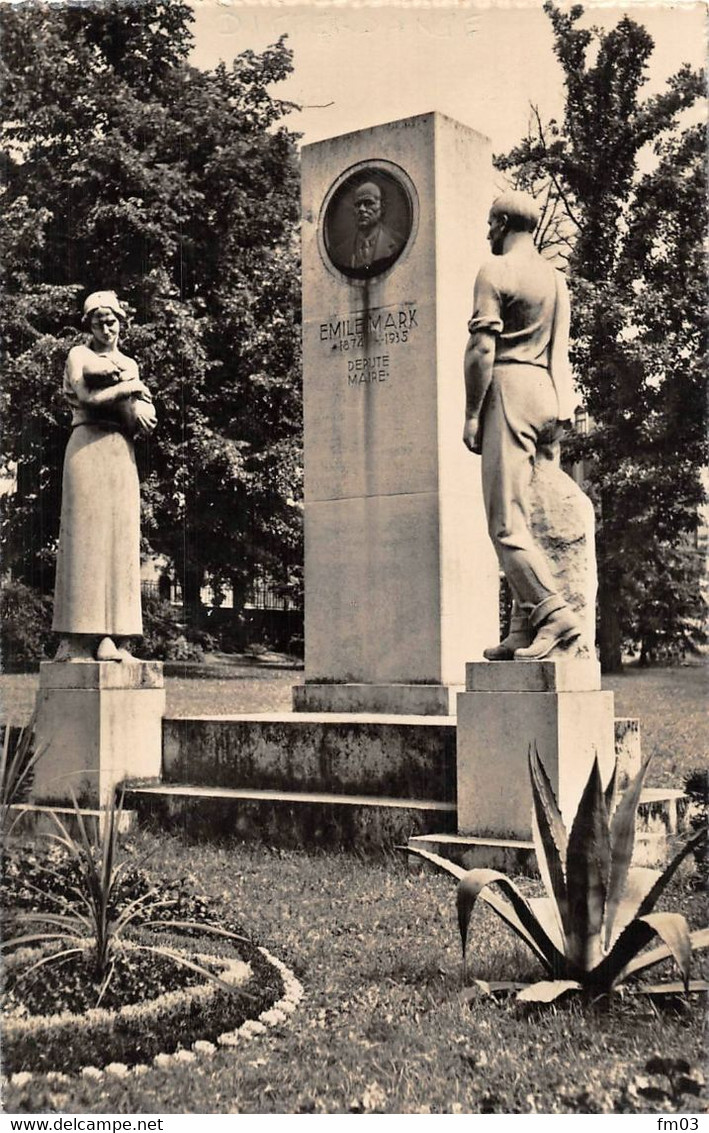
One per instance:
[(510, 705), (100, 722), (400, 577)]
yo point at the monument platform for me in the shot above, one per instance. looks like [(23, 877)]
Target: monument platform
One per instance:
[(408, 757), (357, 781)]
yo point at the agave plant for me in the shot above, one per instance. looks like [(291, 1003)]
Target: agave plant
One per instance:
[(592, 928), (95, 915)]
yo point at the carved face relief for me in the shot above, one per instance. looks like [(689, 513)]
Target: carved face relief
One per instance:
[(367, 221)]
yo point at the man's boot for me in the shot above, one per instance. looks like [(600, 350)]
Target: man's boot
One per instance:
[(519, 637), (554, 626)]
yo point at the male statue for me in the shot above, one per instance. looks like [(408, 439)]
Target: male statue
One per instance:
[(519, 398)]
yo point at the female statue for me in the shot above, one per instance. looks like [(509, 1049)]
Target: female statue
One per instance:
[(97, 595)]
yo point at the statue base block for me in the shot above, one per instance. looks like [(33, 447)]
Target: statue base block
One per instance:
[(508, 707), (99, 722)]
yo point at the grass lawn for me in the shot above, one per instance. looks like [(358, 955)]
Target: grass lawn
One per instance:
[(383, 1028), (670, 703), (672, 707)]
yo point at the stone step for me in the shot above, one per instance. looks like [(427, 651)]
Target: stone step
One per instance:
[(662, 810), (28, 819), (409, 757), (662, 814), (508, 855), (346, 753), (289, 819), (318, 818)]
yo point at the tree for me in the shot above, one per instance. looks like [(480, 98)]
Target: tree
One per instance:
[(127, 168), (634, 251)]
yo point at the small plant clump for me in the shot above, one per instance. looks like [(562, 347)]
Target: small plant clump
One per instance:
[(103, 964), (74, 988), (18, 757)]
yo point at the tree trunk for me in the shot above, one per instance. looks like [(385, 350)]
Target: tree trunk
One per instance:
[(192, 578), (609, 635)]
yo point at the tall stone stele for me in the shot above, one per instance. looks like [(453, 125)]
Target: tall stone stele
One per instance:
[(401, 583)]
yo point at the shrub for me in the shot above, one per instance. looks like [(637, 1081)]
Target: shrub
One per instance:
[(25, 627), (696, 787), (85, 906), (92, 921), (296, 645), (165, 637)]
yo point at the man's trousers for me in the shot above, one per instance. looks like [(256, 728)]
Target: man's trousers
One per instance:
[(519, 426)]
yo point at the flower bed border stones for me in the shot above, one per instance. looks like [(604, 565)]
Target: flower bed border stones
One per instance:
[(100, 1023)]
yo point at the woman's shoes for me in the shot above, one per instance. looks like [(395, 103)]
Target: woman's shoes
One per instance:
[(106, 650), (74, 648), (80, 647)]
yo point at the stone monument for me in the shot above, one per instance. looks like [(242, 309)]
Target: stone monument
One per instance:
[(99, 710), (400, 581)]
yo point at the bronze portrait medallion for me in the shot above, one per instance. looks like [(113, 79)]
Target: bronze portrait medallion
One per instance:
[(368, 219)]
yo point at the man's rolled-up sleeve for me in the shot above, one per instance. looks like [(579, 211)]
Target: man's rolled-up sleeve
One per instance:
[(487, 304)]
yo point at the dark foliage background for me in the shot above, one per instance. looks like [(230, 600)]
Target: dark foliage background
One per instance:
[(126, 168)]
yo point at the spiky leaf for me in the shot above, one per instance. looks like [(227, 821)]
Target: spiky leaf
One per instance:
[(610, 793), (673, 930), (183, 962), (546, 912), (587, 870), (622, 841), (674, 987), (474, 885), (668, 873), (485, 988), (546, 991), (638, 884), (550, 839), (16, 770), (670, 927), (698, 941), (435, 859)]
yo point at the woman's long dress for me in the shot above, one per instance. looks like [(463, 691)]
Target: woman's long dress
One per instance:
[(98, 561)]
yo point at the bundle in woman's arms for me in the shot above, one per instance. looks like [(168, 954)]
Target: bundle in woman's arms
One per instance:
[(135, 413)]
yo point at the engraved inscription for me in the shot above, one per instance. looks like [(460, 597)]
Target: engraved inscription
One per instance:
[(366, 371), (380, 328), (364, 340)]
